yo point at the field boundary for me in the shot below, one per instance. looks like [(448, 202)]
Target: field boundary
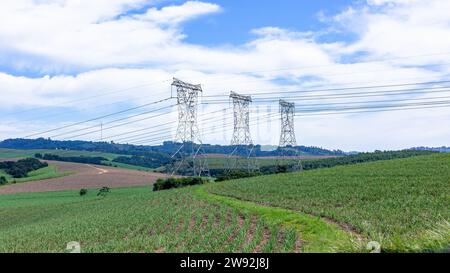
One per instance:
[(52, 173), (317, 235)]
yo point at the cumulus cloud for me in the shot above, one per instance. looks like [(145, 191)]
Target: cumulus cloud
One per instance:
[(400, 28), (172, 15), (92, 34), (92, 47)]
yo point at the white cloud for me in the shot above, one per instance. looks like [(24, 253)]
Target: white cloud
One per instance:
[(89, 34), (110, 49), (391, 2), (172, 15), (400, 28)]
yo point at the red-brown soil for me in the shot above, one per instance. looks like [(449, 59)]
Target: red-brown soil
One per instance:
[(85, 176)]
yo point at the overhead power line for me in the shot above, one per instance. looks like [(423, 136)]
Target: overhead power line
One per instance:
[(126, 123), (88, 98), (327, 65), (374, 106), (225, 126), (158, 140), (120, 119), (130, 138), (98, 118), (255, 93), (375, 111)]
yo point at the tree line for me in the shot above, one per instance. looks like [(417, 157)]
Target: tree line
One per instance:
[(97, 160), (155, 161), (168, 147), (311, 164), (21, 168)]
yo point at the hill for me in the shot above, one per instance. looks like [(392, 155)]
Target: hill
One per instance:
[(401, 203), (167, 147)]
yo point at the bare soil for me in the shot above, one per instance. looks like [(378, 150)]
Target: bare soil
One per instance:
[(85, 176)]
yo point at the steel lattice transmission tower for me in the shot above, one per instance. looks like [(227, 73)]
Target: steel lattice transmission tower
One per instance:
[(243, 155), (190, 153), (288, 141)]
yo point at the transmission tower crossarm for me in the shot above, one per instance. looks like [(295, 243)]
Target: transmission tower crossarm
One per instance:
[(181, 84), (237, 96), (284, 103)]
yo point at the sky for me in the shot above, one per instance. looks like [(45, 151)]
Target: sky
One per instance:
[(66, 61)]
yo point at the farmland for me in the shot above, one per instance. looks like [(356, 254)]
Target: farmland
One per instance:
[(402, 203), (6, 154), (12, 153), (72, 176), (135, 220), (41, 174), (221, 162)]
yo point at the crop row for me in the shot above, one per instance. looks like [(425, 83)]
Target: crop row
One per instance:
[(401, 203), (135, 220)]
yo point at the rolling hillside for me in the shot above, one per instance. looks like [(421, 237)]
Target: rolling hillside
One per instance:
[(403, 204)]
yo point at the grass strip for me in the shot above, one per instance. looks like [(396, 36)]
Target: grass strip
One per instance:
[(317, 235)]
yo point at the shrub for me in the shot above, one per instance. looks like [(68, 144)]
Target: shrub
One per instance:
[(97, 160), (154, 160), (171, 183), (103, 191), (22, 167), (83, 192), (3, 180), (237, 174)]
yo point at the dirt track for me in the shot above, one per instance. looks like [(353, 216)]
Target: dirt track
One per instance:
[(85, 176)]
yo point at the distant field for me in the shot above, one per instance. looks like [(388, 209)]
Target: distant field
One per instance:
[(14, 154), (10, 153), (404, 204), (215, 161), (221, 162), (41, 174), (128, 166), (81, 176)]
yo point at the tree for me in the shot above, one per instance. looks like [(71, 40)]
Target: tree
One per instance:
[(3, 180)]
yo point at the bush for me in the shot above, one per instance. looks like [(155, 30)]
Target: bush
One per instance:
[(103, 191), (97, 160), (3, 180), (22, 167), (235, 174), (155, 160), (83, 192), (171, 183)]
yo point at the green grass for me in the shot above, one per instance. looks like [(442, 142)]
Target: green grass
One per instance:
[(41, 174), (221, 163), (135, 220), (128, 166), (403, 204), (317, 235), (10, 153)]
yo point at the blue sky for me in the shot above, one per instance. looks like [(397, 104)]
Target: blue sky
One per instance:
[(234, 24), (54, 52)]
